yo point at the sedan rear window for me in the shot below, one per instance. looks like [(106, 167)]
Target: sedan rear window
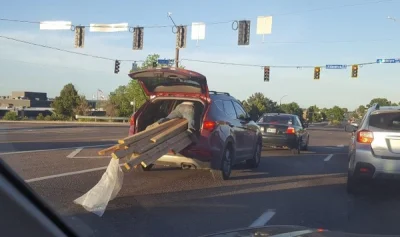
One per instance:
[(387, 121), (278, 119)]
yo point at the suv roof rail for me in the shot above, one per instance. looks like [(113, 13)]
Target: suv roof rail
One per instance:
[(219, 93), (376, 106)]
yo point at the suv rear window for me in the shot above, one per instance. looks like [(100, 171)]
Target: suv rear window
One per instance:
[(385, 120), (174, 84), (278, 119)]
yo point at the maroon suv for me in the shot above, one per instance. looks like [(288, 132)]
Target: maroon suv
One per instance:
[(226, 133)]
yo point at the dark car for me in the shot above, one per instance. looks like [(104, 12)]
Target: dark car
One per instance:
[(226, 134), (284, 130)]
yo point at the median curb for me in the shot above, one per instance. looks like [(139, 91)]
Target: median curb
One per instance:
[(65, 122)]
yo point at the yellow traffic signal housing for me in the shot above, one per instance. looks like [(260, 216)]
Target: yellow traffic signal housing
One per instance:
[(266, 73), (354, 71), (317, 71)]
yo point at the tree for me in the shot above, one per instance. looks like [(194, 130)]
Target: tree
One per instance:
[(380, 101), (292, 108), (66, 103), (83, 106), (335, 114), (257, 104), (314, 114)]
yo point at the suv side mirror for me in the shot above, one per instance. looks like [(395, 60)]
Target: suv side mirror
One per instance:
[(245, 117), (350, 128)]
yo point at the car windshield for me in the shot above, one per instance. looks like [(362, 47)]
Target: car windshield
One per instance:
[(294, 119), (276, 119)]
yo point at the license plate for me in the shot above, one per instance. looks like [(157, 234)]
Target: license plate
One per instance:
[(271, 130)]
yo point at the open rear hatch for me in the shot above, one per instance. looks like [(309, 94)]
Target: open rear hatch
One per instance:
[(172, 82)]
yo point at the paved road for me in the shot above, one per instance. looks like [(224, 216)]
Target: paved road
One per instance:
[(306, 189)]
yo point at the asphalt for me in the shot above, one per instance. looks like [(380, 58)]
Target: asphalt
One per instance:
[(306, 189)]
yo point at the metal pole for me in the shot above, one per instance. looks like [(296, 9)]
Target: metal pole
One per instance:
[(280, 101), (177, 57)]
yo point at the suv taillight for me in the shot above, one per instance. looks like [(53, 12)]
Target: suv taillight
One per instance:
[(209, 125), (132, 121), (365, 136), (290, 130)]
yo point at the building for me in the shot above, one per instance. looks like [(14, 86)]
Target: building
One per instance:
[(21, 99)]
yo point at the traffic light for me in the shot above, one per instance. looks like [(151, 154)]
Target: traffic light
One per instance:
[(244, 33), (138, 38), (266, 73), (354, 71), (79, 36), (116, 68), (317, 71), (181, 37)]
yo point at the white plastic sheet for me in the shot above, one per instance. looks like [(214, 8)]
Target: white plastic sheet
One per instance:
[(97, 198)]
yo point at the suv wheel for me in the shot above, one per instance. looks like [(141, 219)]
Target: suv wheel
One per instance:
[(141, 168), (254, 162), (226, 165)]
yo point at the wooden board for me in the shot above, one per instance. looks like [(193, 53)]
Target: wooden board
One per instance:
[(171, 132), (140, 135), (177, 143)]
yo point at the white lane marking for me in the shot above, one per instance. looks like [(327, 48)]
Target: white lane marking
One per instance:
[(66, 174), (55, 149), (328, 157), (74, 153), (263, 219)]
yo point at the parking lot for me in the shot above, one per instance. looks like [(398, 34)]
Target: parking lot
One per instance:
[(60, 163)]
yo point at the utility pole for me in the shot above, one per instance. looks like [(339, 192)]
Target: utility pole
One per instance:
[(180, 32), (176, 57)]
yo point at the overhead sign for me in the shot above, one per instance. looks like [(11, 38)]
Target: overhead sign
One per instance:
[(165, 61), (55, 25), (109, 27), (336, 66), (388, 60)]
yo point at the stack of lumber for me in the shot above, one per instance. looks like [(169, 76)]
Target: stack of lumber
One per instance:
[(149, 145)]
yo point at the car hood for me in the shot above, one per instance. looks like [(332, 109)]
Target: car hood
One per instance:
[(285, 231)]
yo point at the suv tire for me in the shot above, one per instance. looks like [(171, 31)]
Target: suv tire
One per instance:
[(254, 162), (225, 168)]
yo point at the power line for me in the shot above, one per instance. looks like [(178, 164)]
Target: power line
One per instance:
[(61, 50), (259, 65), (189, 60), (228, 21)]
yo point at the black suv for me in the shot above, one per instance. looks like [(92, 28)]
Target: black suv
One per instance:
[(226, 134)]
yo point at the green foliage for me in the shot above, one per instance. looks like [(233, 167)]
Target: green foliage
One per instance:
[(292, 108), (257, 104), (83, 107), (68, 100), (25, 118), (335, 113), (12, 116), (380, 101), (40, 117), (47, 118)]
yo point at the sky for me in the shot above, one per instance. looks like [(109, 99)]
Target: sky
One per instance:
[(304, 33)]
